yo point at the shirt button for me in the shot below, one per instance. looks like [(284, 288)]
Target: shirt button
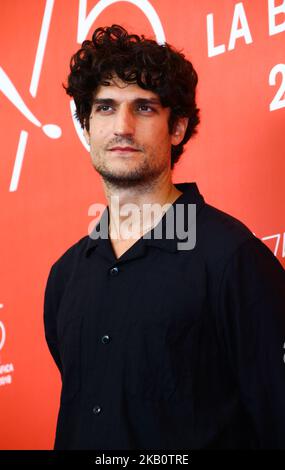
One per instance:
[(96, 410), (105, 339), (114, 271)]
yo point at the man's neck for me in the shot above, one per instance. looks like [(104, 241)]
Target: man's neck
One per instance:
[(134, 212)]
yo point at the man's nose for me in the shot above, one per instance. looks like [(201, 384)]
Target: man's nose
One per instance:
[(124, 122)]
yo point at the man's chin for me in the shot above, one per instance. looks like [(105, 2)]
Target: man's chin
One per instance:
[(124, 181), (127, 180)]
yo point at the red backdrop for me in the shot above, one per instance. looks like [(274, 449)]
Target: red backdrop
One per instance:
[(47, 182)]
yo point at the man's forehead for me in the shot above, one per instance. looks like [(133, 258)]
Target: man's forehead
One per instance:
[(120, 89)]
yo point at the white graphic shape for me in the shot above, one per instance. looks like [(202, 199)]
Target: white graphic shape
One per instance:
[(278, 101), (273, 12), (52, 130), (270, 237), (212, 49), (243, 31), (18, 161), (2, 335), (85, 22), (41, 48), (9, 90)]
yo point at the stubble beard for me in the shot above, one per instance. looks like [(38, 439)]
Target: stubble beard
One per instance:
[(143, 176)]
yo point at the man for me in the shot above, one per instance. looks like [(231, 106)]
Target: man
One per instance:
[(160, 346)]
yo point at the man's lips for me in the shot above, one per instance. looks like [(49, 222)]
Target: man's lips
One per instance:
[(124, 149)]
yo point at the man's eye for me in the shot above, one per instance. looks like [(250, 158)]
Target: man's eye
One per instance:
[(103, 107), (145, 107)]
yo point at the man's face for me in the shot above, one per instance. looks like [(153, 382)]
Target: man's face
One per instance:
[(129, 140)]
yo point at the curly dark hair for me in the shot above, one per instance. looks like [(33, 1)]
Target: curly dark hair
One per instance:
[(134, 59)]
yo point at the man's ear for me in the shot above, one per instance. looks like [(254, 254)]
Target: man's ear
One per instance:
[(86, 135), (179, 130)]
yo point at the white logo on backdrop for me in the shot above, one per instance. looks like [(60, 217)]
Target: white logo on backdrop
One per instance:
[(279, 248), (2, 335), (9, 90), (5, 369)]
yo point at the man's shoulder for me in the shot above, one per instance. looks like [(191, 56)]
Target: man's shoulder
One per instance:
[(220, 234), (71, 255), (223, 223)]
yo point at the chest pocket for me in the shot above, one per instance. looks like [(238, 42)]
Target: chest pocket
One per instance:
[(70, 353)]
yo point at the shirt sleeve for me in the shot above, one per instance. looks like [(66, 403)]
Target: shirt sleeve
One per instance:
[(51, 302), (251, 322)]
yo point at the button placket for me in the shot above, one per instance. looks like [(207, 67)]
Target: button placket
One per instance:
[(97, 410), (105, 339), (114, 271)]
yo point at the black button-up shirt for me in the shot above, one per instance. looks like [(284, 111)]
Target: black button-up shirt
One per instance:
[(170, 349)]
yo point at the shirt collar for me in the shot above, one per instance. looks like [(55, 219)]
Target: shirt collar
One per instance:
[(190, 195)]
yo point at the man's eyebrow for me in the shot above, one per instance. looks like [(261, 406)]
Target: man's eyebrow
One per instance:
[(147, 101), (137, 101)]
